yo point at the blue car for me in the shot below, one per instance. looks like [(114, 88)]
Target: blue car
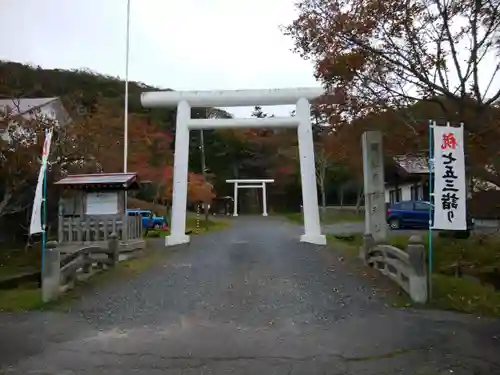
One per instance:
[(414, 214), (409, 214), (149, 220)]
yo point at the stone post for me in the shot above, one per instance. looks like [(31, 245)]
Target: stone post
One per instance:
[(374, 185), (418, 269), (235, 207), (368, 243), (125, 227), (113, 247), (60, 221), (87, 262), (51, 272)]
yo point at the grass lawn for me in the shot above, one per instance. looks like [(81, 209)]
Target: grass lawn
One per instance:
[(331, 216), (195, 226), (15, 260), (476, 258), (21, 299)]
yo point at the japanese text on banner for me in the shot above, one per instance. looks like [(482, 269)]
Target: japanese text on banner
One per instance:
[(449, 179)]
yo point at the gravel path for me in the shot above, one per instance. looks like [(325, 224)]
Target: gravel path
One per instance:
[(247, 300)]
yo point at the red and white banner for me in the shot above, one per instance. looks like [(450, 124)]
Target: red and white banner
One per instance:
[(36, 216)]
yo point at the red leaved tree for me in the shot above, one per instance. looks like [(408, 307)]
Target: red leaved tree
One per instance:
[(388, 57), (198, 190), (100, 139)]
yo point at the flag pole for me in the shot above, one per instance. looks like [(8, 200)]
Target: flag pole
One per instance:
[(44, 213), (430, 255), (125, 110), (125, 138)]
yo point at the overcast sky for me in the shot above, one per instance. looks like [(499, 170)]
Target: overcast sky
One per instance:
[(178, 44)]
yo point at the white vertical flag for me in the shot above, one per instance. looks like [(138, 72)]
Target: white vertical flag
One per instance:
[(36, 216), (450, 196)]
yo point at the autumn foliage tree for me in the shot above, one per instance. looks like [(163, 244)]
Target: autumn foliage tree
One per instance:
[(100, 135), (198, 189), (20, 155), (393, 56), (388, 52)]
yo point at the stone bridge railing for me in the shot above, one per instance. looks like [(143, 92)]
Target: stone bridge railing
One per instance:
[(60, 272), (407, 268), (95, 228)]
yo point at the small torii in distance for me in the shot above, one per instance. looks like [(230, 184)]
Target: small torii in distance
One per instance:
[(250, 184)]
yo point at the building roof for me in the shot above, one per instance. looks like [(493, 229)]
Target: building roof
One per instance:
[(413, 164), (20, 106), (122, 181)]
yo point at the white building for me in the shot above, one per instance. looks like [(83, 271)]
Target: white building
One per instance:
[(407, 178), (49, 109)]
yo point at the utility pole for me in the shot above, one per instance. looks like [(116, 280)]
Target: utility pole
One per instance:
[(203, 164)]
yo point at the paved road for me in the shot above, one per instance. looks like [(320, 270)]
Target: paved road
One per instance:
[(247, 300)]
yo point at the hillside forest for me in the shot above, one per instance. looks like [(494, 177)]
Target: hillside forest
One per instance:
[(93, 142)]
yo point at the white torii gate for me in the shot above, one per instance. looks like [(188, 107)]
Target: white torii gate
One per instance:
[(242, 184), (184, 100)]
